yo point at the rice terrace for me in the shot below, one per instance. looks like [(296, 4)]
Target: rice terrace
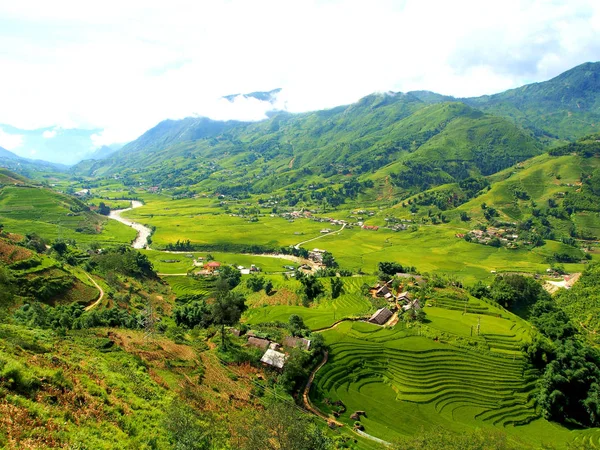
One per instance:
[(395, 270)]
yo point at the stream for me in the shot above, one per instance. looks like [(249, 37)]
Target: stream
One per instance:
[(143, 232)]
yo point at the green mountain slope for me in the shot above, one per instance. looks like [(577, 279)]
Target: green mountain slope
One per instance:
[(563, 108), (385, 134), (30, 208)]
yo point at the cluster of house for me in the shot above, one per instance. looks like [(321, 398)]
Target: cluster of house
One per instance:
[(275, 355), (316, 255), (508, 237), (82, 193), (403, 301), (213, 267)]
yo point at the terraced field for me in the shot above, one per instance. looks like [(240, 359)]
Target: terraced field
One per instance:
[(406, 382), (189, 285), (53, 215), (352, 303), (499, 330)]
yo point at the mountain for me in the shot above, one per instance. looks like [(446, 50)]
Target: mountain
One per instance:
[(270, 96), (383, 135), (416, 140), (564, 108), (25, 166), (105, 151)]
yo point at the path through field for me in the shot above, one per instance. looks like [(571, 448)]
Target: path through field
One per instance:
[(319, 237), (97, 302), (143, 232)]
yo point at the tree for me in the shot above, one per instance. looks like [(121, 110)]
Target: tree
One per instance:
[(231, 275), (312, 287), (103, 209), (329, 260), (464, 216), (280, 426), (296, 325), (569, 387), (255, 283), (337, 286), (268, 287), (60, 247), (516, 291), (443, 439), (227, 311), (186, 430)]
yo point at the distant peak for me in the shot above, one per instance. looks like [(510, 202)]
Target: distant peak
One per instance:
[(269, 96)]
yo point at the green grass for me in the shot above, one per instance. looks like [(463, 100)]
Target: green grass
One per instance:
[(52, 215), (199, 221), (181, 263)]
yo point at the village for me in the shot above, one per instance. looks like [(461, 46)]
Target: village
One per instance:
[(495, 237)]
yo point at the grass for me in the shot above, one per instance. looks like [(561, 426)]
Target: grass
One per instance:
[(189, 285), (53, 215), (201, 222)]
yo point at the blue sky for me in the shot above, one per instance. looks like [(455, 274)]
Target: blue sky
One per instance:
[(120, 67)]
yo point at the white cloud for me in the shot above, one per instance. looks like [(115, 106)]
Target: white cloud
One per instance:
[(125, 66), (49, 134), (32, 152), (10, 141)]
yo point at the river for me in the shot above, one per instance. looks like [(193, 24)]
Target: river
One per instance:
[(143, 232)]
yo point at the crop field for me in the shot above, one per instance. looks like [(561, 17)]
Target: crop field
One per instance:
[(405, 383), (189, 285), (434, 249), (221, 228), (352, 303), (173, 263)]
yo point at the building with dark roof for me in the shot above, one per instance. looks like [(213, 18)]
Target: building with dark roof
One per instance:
[(381, 316)]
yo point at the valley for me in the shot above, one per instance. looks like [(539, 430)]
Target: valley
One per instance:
[(429, 263)]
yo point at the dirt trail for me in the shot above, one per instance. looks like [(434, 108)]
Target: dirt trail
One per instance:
[(305, 395), (553, 286), (319, 237), (99, 299)]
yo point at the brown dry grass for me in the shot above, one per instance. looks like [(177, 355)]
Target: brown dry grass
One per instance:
[(10, 253), (25, 431)]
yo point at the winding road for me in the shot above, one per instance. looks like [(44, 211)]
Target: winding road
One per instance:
[(143, 232), (99, 299), (319, 237)]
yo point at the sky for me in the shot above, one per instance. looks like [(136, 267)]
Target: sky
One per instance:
[(117, 68)]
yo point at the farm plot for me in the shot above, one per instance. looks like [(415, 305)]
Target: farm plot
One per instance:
[(406, 383), (189, 286), (352, 303)]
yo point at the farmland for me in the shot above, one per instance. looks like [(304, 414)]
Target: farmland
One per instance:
[(410, 379)]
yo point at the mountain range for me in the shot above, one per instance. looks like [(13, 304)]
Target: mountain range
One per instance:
[(397, 135), (27, 166), (414, 140)]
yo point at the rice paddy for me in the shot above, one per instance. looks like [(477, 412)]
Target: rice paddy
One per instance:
[(406, 383), (189, 286), (352, 303)]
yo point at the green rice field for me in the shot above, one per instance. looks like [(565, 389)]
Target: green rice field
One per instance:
[(406, 383)]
